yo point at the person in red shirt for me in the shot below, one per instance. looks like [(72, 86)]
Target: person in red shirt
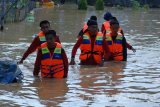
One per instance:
[(38, 40), (120, 30), (92, 45), (53, 61), (116, 43)]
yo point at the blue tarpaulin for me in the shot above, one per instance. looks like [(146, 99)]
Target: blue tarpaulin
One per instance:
[(10, 72)]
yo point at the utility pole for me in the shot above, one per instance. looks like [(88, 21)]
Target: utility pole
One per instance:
[(3, 6)]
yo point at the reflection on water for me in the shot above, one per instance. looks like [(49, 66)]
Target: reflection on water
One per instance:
[(134, 83), (51, 91)]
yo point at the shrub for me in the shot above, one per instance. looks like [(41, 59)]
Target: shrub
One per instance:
[(146, 7), (99, 5), (135, 5), (82, 5)]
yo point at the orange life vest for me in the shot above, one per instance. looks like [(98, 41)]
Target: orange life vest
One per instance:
[(42, 37), (115, 47), (52, 66), (85, 27), (106, 26), (86, 48)]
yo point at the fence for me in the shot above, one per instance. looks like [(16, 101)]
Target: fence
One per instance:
[(15, 10)]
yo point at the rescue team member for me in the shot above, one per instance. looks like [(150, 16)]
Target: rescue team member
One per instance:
[(116, 43), (107, 29), (106, 24), (121, 31), (92, 45), (38, 40), (85, 27), (53, 62)]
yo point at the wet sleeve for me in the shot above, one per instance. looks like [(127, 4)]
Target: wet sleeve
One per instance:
[(124, 49), (128, 46), (102, 28), (76, 46), (65, 62), (37, 63), (80, 34), (106, 48), (34, 45), (122, 32)]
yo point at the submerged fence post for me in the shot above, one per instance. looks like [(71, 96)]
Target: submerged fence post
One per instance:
[(3, 6)]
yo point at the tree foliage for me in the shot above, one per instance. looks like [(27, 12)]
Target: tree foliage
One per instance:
[(99, 5), (82, 5)]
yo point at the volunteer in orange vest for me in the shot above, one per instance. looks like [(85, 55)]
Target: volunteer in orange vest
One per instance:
[(38, 40), (53, 60), (121, 31), (85, 26), (92, 45), (107, 29), (116, 43), (106, 25)]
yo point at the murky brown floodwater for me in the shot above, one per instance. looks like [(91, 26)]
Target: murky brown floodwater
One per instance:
[(135, 83)]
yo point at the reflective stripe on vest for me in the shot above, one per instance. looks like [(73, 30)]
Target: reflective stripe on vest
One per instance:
[(118, 39), (86, 49), (52, 66), (109, 30), (115, 47)]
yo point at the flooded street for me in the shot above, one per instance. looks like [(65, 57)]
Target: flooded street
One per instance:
[(135, 83)]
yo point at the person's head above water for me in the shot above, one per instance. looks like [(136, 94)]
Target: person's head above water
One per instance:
[(92, 27), (107, 16), (114, 26), (50, 38), (45, 26), (93, 18), (113, 19)]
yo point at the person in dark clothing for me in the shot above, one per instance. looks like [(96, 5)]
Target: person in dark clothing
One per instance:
[(120, 30), (116, 43), (105, 25)]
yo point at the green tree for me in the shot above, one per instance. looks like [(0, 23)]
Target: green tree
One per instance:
[(99, 5), (145, 7), (82, 5), (135, 4)]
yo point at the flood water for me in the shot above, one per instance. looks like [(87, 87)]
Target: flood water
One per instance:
[(135, 83)]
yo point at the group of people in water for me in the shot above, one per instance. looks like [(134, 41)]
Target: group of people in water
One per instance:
[(96, 47)]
